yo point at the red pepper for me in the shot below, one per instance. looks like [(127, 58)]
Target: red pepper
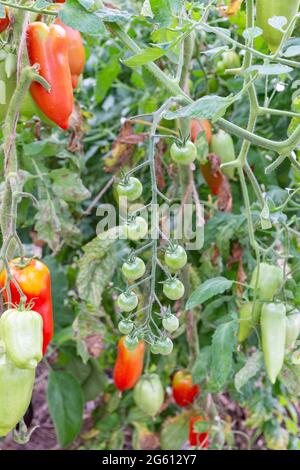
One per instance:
[(76, 51), (34, 280), (48, 47), (195, 438), (4, 22), (184, 391), (129, 365)]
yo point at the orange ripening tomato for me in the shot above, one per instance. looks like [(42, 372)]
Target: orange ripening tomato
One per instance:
[(48, 47), (195, 438), (129, 365), (200, 125), (76, 53), (34, 280), (4, 22), (184, 391)]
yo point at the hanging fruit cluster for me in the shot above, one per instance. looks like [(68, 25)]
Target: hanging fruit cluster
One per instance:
[(25, 332)]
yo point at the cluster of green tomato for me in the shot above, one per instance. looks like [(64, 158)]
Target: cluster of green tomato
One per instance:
[(134, 268)]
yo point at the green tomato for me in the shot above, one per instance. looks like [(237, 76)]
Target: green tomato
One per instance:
[(131, 342), (148, 394), (170, 323), (269, 281), (127, 301), (29, 109), (273, 334), (22, 333), (125, 327), (231, 60), (266, 9), (222, 145), (175, 258), (136, 229), (292, 330), (183, 155), (165, 346), (173, 289), (16, 391), (131, 189), (155, 348), (134, 269)]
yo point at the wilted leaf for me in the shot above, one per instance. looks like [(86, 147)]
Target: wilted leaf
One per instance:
[(96, 268), (86, 326), (68, 186), (47, 224), (143, 438)]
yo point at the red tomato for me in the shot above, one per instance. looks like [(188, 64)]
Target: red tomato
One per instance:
[(34, 280), (195, 438), (214, 179), (48, 47), (76, 52), (184, 392), (4, 22), (129, 365)]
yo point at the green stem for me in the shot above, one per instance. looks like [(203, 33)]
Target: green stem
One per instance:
[(285, 146), (28, 8), (218, 32), (27, 75)]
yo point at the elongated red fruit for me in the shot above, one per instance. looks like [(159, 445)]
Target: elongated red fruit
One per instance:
[(48, 47)]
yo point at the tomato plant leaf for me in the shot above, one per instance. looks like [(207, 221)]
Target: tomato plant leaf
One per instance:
[(252, 33), (162, 11), (223, 344), (96, 267), (144, 56), (252, 366), (65, 400), (105, 78), (143, 438), (270, 69), (278, 22), (113, 16), (68, 186), (201, 365), (174, 432), (292, 51), (209, 107), (75, 15), (208, 289)]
